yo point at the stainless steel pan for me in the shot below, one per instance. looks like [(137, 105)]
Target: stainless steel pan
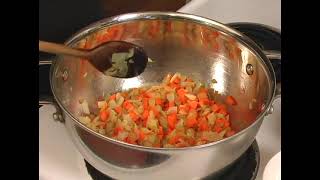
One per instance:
[(192, 45)]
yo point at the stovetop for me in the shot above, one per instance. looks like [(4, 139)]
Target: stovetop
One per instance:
[(245, 168)]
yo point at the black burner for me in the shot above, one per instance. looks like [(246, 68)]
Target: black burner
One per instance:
[(245, 168)]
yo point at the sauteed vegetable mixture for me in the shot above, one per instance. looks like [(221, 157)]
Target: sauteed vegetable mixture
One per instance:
[(179, 112)]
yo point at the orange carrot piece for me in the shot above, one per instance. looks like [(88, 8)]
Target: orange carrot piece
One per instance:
[(145, 103), (191, 123), (159, 101), (193, 104), (104, 115), (141, 136), (133, 116), (172, 120), (145, 114), (118, 109), (215, 108), (113, 97)]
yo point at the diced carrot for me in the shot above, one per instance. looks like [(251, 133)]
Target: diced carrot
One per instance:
[(215, 108), (204, 127), (181, 92), (193, 104), (223, 111), (176, 80), (219, 122), (145, 114), (159, 101), (148, 95), (117, 130), (113, 97), (155, 112), (231, 101), (133, 116), (172, 120), (203, 102), (160, 130), (188, 103), (184, 108), (203, 90), (217, 129), (182, 99), (203, 124), (104, 115), (202, 95), (174, 86), (130, 141), (141, 136), (174, 140), (145, 103), (191, 123), (127, 105), (118, 109)]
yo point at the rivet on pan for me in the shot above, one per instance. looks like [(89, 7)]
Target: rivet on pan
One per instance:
[(270, 110), (57, 117), (65, 75), (249, 69)]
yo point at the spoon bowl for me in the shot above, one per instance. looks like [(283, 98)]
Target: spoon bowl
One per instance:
[(113, 58)]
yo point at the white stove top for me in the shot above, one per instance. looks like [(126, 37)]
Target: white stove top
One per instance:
[(58, 157), (226, 11)]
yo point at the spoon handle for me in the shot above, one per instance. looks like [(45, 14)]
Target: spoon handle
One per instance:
[(54, 48)]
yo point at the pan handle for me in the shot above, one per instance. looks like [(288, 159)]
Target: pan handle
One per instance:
[(275, 58), (49, 100)]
